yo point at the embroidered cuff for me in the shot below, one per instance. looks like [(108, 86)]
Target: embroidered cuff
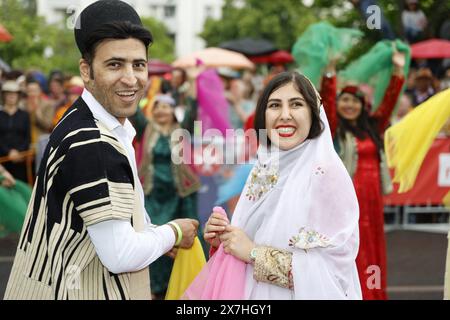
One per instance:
[(273, 266)]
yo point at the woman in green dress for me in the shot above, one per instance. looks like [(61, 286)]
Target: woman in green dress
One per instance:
[(14, 197), (170, 189)]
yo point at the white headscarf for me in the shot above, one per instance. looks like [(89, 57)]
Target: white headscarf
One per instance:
[(303, 197)]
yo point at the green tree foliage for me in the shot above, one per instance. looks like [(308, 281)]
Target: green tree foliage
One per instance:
[(163, 45), (279, 21), (37, 45), (283, 21)]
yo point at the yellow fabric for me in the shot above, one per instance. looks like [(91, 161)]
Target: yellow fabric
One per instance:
[(408, 141), (188, 263), (153, 90), (447, 200)]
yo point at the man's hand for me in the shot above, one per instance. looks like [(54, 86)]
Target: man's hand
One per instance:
[(189, 230), (172, 253)]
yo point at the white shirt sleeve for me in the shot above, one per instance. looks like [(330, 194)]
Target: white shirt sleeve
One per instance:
[(122, 249)]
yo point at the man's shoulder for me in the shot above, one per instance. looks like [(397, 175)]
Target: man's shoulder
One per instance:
[(77, 119)]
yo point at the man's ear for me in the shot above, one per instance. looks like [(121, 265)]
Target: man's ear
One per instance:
[(85, 69)]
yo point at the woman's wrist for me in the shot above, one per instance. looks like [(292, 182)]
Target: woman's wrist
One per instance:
[(398, 71), (253, 254)]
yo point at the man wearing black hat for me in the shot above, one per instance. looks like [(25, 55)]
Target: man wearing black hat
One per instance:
[(86, 234)]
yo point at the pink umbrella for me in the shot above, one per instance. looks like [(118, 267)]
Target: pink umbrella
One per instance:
[(5, 36), (158, 67), (429, 49), (215, 57)]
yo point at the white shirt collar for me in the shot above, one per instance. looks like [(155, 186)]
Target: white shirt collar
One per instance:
[(100, 113)]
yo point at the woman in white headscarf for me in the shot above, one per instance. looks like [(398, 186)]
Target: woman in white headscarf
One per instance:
[(295, 227)]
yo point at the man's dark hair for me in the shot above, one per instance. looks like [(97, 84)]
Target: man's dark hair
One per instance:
[(115, 30), (303, 85)]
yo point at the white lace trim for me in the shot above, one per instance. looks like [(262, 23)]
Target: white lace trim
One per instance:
[(308, 239)]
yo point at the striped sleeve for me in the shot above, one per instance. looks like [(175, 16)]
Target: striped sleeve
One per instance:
[(99, 179)]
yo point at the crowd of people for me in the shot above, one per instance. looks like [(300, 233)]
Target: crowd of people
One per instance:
[(37, 110)]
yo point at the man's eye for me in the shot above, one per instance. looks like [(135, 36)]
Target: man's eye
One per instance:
[(114, 65), (139, 65)]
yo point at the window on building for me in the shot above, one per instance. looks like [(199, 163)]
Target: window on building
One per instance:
[(63, 13), (209, 11), (154, 8), (169, 11)]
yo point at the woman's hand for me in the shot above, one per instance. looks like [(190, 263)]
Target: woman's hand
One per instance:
[(237, 243), (398, 60), (214, 227), (8, 180), (332, 62)]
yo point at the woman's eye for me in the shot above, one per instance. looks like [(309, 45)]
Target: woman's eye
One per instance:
[(297, 104), (273, 105)]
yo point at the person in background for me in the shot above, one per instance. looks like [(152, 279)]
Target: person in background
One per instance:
[(363, 7), (74, 93), (414, 21), (179, 86), (357, 137), (170, 189), (241, 104), (14, 130), (40, 110), (423, 86), (445, 81), (14, 198), (404, 107), (56, 90)]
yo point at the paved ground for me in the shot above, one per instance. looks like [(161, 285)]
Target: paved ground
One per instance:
[(416, 264)]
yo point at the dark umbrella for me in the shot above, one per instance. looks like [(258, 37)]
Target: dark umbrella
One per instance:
[(158, 67), (277, 57), (249, 46)]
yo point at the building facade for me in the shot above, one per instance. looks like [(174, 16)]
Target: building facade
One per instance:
[(184, 19)]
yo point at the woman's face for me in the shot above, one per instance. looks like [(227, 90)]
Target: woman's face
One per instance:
[(288, 117), (163, 113), (56, 88), (11, 98), (33, 90), (349, 107)]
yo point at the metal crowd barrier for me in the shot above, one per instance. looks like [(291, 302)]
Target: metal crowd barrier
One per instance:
[(406, 218)]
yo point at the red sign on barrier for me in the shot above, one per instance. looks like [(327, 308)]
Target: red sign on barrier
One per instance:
[(432, 182)]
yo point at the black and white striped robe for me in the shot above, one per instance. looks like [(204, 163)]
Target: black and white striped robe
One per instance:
[(84, 178)]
